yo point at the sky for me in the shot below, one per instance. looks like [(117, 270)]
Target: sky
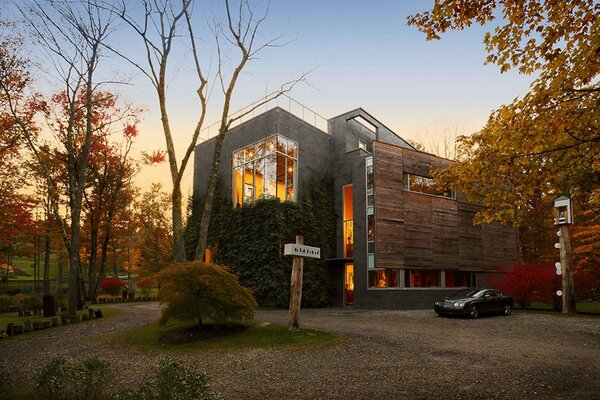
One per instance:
[(356, 54)]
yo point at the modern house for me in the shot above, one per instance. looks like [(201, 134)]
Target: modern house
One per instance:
[(400, 242)]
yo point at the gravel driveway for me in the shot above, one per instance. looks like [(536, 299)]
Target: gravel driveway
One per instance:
[(386, 355)]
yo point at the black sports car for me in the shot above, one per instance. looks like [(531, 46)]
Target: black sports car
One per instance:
[(474, 303)]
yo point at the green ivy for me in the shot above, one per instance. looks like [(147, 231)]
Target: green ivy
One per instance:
[(250, 241)]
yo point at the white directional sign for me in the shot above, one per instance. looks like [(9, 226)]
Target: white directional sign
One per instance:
[(292, 249)]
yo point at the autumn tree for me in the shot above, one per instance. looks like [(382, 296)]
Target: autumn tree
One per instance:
[(72, 35), (154, 236), (110, 171), (16, 206), (546, 143)]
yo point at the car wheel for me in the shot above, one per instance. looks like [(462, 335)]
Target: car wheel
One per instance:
[(507, 309), (474, 312)]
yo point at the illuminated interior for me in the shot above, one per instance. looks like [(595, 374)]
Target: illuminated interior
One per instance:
[(208, 255), (348, 222), (349, 284), (265, 169), (383, 278)]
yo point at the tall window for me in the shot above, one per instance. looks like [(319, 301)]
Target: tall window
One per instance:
[(348, 222), (265, 169), (370, 213), (423, 184)]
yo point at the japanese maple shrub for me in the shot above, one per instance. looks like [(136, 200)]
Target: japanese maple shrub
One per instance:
[(208, 293), (112, 286), (528, 282)]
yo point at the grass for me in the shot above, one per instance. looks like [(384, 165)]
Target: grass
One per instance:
[(258, 335), (591, 308), (13, 317), (26, 264)]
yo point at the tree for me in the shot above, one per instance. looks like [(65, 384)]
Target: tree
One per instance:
[(208, 293), (110, 171), (158, 30), (546, 143), (154, 234), (16, 206), (549, 139), (72, 34)]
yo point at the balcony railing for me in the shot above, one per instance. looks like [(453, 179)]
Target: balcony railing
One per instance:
[(270, 101)]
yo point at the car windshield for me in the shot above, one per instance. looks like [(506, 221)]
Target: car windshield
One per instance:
[(476, 293)]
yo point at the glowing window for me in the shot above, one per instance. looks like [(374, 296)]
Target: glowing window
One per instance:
[(265, 169)]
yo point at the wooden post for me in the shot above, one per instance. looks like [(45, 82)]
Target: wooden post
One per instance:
[(568, 296), (296, 289)]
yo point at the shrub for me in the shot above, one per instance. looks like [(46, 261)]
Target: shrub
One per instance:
[(112, 286), (587, 282), (528, 283), (145, 286), (173, 381), (7, 304), (209, 293), (60, 379), (5, 381), (30, 302)]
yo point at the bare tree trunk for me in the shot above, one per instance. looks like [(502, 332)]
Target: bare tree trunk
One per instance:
[(60, 272), (93, 257), (568, 296), (210, 197), (47, 263)]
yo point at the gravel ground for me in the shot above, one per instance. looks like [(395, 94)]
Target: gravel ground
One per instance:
[(385, 355)]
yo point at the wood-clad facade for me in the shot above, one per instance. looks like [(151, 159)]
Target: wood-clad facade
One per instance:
[(423, 231)]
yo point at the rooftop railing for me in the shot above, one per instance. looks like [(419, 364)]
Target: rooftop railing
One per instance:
[(270, 101)]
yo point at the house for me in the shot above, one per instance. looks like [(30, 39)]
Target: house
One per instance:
[(400, 242)]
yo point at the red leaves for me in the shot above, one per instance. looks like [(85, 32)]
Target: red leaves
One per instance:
[(157, 157), (145, 283), (130, 131), (529, 282), (109, 283)]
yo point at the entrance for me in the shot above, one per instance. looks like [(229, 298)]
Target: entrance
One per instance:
[(349, 284)]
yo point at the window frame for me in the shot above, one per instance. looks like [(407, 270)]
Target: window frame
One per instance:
[(240, 155), (406, 186)]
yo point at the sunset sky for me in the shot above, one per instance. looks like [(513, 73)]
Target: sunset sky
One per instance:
[(359, 54)]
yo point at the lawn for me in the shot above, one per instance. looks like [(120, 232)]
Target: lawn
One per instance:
[(258, 335), (592, 307), (26, 264)]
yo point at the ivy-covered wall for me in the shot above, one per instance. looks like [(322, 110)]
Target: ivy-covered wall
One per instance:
[(250, 241)]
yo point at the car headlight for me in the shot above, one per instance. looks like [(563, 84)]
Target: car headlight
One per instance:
[(458, 304)]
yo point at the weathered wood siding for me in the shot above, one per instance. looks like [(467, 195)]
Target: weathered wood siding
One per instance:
[(415, 230)]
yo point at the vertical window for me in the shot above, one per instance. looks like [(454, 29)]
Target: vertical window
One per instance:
[(362, 145), (370, 200), (265, 169), (348, 214)]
